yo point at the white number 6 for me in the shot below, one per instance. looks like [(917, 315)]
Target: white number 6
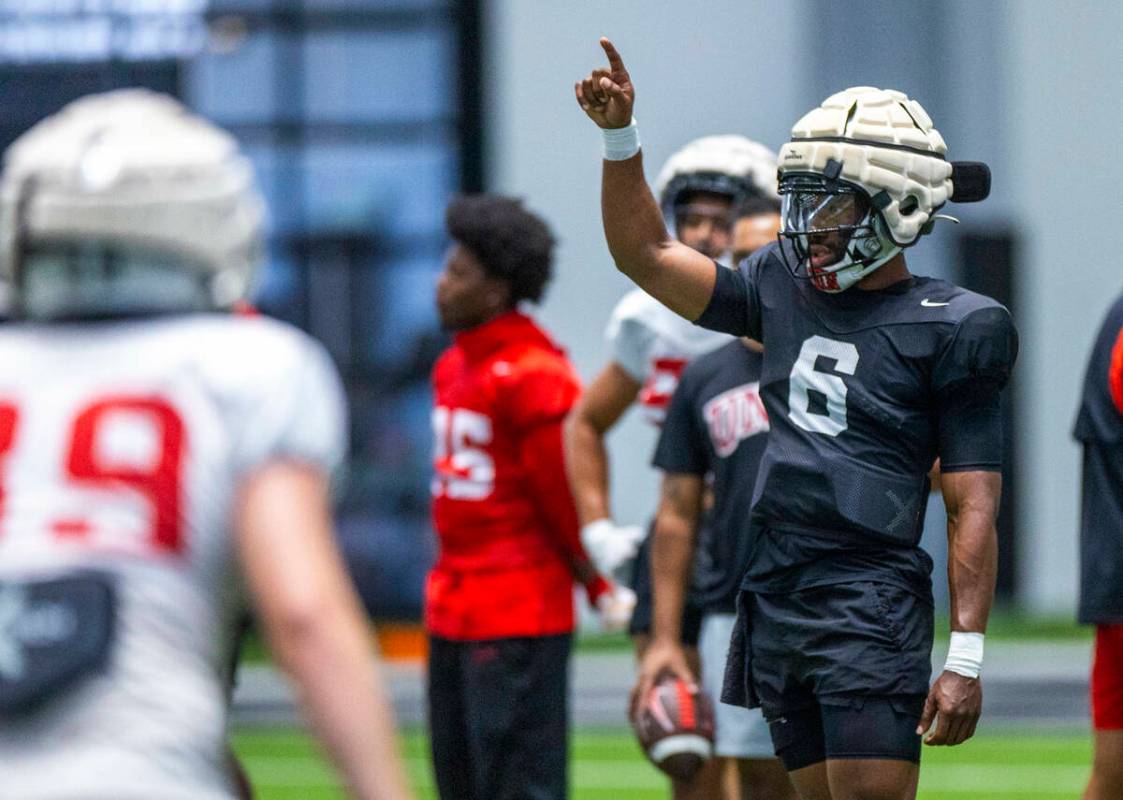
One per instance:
[(805, 377)]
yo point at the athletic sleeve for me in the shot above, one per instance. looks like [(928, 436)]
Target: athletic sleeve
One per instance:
[(982, 350), (297, 412), (968, 381), (629, 339), (734, 306), (970, 429), (539, 395), (682, 446), (537, 402)]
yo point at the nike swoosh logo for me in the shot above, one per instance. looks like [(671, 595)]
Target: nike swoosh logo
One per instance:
[(929, 304)]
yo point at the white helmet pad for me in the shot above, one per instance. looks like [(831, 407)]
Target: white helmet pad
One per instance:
[(886, 144)]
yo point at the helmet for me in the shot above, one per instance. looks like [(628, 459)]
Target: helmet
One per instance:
[(862, 178), (730, 165), (126, 202)]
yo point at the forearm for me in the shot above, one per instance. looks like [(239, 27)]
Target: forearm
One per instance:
[(327, 654), (972, 568), (672, 551), (316, 629), (672, 556), (586, 464)]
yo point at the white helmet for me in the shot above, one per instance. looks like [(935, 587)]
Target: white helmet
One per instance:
[(862, 178), (730, 165), (126, 202)]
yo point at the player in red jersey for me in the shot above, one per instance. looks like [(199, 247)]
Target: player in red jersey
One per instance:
[(499, 602)]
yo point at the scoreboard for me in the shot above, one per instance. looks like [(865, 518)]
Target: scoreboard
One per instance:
[(79, 31)]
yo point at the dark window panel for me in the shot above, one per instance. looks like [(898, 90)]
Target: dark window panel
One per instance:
[(387, 190), (236, 85), (379, 76)]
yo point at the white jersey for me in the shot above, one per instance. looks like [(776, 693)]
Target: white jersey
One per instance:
[(122, 447), (654, 344)]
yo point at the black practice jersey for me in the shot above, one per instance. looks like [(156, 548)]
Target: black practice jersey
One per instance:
[(1099, 427), (864, 389), (716, 428)]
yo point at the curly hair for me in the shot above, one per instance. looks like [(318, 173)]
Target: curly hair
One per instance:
[(510, 242)]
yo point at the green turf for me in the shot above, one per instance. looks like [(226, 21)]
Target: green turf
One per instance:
[(284, 764)]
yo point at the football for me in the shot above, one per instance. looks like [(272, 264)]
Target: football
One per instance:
[(675, 727)]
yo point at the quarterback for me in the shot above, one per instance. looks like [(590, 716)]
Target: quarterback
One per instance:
[(869, 374), (160, 458)]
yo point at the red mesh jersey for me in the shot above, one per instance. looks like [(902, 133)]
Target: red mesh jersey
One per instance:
[(502, 509)]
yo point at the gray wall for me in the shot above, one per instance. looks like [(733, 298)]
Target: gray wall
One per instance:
[(1065, 83), (1031, 87)]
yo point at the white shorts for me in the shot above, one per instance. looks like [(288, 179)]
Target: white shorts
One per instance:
[(741, 732)]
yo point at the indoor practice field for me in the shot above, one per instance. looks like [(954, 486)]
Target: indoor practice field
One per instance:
[(284, 764)]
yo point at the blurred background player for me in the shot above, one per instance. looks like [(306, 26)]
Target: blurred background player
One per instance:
[(499, 601), (869, 373), (699, 189), (1099, 428), (152, 456), (756, 223), (712, 440)]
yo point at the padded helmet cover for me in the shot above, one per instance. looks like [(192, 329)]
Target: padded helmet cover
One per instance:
[(727, 164), (887, 145)]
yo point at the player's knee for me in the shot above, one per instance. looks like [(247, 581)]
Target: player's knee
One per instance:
[(861, 779), (765, 779)]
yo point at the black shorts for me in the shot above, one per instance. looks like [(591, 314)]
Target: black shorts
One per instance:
[(498, 718), (840, 671), (641, 622)]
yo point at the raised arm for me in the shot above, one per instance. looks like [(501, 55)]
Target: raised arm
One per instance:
[(679, 277)]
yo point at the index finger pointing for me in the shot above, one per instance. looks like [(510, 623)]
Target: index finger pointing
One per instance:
[(614, 60)]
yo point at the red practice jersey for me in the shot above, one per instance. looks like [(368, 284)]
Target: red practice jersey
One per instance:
[(502, 508)]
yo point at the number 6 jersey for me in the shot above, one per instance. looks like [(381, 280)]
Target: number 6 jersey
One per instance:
[(864, 389), (122, 447)]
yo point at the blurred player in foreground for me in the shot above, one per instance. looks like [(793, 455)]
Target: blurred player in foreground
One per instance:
[(499, 602), (699, 189), (712, 440), (869, 374), (153, 453), (1099, 428)]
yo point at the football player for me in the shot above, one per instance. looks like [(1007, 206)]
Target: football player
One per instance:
[(160, 458), (1099, 428), (712, 440), (699, 188), (755, 224), (499, 601), (869, 373), (710, 443)]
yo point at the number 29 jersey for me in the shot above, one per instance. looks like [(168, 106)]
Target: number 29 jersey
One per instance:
[(122, 447), (864, 389)]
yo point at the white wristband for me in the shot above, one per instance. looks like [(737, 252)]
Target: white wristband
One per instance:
[(965, 654), (620, 144)]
